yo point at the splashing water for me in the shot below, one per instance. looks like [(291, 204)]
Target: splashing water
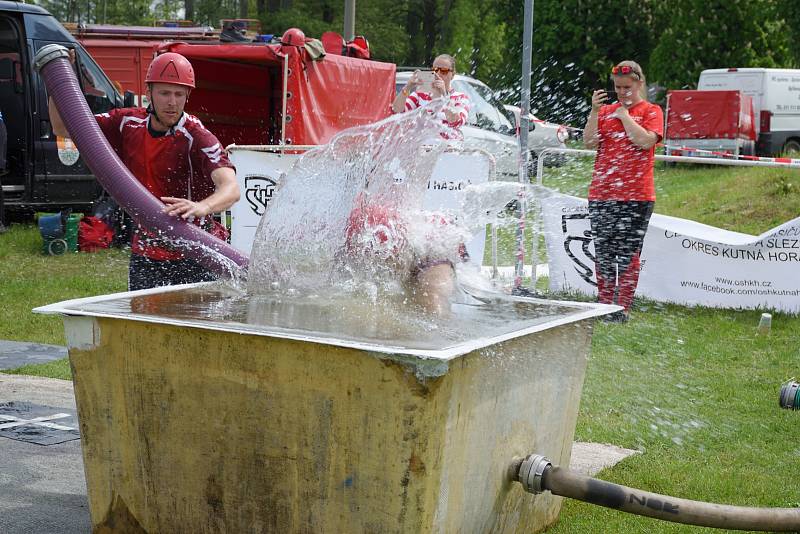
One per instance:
[(236, 278), (350, 212)]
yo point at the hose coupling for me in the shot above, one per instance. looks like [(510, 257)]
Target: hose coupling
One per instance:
[(48, 53), (790, 395), (531, 471)]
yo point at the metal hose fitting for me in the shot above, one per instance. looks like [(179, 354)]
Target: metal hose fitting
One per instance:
[(536, 474)]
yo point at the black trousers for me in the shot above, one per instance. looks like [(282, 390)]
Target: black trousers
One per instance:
[(618, 228), (144, 273)]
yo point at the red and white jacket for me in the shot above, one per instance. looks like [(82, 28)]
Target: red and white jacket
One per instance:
[(178, 164), (458, 101)]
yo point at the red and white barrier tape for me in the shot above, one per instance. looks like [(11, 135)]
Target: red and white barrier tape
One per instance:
[(788, 161)]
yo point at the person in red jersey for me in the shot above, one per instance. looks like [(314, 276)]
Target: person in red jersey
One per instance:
[(380, 235), (455, 114), (177, 159), (622, 192)]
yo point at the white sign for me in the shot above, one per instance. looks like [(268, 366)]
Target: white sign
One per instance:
[(682, 261), (260, 172), (453, 172)]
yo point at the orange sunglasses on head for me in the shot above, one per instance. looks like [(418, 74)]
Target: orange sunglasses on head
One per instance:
[(625, 70), (442, 70)]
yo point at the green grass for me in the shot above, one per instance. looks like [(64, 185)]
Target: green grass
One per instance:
[(742, 199), (696, 390), (29, 279)]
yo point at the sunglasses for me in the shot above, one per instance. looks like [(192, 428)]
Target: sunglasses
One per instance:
[(625, 70), (442, 70)]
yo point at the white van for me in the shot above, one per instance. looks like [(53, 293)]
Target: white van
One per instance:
[(776, 103)]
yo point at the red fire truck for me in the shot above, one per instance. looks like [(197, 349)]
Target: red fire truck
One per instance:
[(254, 92), (124, 52)]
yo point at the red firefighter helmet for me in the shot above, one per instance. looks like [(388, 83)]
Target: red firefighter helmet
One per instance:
[(171, 68), (293, 37)]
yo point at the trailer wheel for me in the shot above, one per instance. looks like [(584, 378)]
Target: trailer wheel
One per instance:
[(792, 148)]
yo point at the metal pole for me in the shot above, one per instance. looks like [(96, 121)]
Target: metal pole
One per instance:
[(524, 124), (349, 19)]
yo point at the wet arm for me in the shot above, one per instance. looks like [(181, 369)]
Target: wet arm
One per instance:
[(591, 138), (56, 123), (226, 194), (638, 135), (399, 104)]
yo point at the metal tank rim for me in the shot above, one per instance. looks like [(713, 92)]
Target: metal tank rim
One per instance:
[(71, 308)]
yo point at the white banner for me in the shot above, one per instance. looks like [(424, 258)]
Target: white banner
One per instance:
[(684, 262), (259, 173)]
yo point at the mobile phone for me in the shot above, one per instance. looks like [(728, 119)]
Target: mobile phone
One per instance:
[(611, 96), (426, 78)]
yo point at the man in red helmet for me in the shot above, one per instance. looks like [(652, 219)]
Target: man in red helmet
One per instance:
[(180, 162)]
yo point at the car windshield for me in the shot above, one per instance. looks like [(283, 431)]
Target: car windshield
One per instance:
[(485, 111)]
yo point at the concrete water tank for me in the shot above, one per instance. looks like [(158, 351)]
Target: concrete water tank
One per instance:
[(204, 411)]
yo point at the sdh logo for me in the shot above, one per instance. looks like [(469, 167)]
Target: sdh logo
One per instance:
[(583, 254), (258, 191)]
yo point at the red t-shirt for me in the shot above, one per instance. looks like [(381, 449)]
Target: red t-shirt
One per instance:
[(622, 170), (164, 164), (459, 102)]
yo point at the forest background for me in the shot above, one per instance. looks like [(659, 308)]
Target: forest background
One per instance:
[(575, 43)]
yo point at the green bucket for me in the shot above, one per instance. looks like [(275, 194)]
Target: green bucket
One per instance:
[(55, 238)]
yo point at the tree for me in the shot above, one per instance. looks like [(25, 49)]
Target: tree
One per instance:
[(791, 11), (705, 34), (575, 44), (473, 33)]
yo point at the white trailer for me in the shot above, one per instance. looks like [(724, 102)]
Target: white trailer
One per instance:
[(776, 102)]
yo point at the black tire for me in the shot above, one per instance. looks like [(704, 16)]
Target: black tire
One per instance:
[(791, 149), (57, 247)]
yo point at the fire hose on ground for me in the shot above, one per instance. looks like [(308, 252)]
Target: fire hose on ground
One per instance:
[(537, 474), (52, 62)]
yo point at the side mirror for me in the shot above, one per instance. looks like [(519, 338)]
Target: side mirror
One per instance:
[(129, 99)]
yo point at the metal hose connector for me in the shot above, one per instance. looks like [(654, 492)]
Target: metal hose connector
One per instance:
[(537, 474), (789, 397)]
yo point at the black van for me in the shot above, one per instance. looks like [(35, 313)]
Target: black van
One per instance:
[(43, 172)]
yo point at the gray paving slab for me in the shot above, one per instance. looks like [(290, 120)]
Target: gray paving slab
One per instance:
[(14, 354), (43, 488)]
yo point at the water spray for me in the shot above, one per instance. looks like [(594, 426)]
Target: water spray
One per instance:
[(537, 474), (525, 103)]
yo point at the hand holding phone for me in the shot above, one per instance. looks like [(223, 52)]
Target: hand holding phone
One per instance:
[(611, 96), (425, 79)]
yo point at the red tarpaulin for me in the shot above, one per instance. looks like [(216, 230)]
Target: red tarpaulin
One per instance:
[(710, 115), (124, 61), (239, 94)]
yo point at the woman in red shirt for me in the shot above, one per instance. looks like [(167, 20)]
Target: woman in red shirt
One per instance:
[(622, 192)]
